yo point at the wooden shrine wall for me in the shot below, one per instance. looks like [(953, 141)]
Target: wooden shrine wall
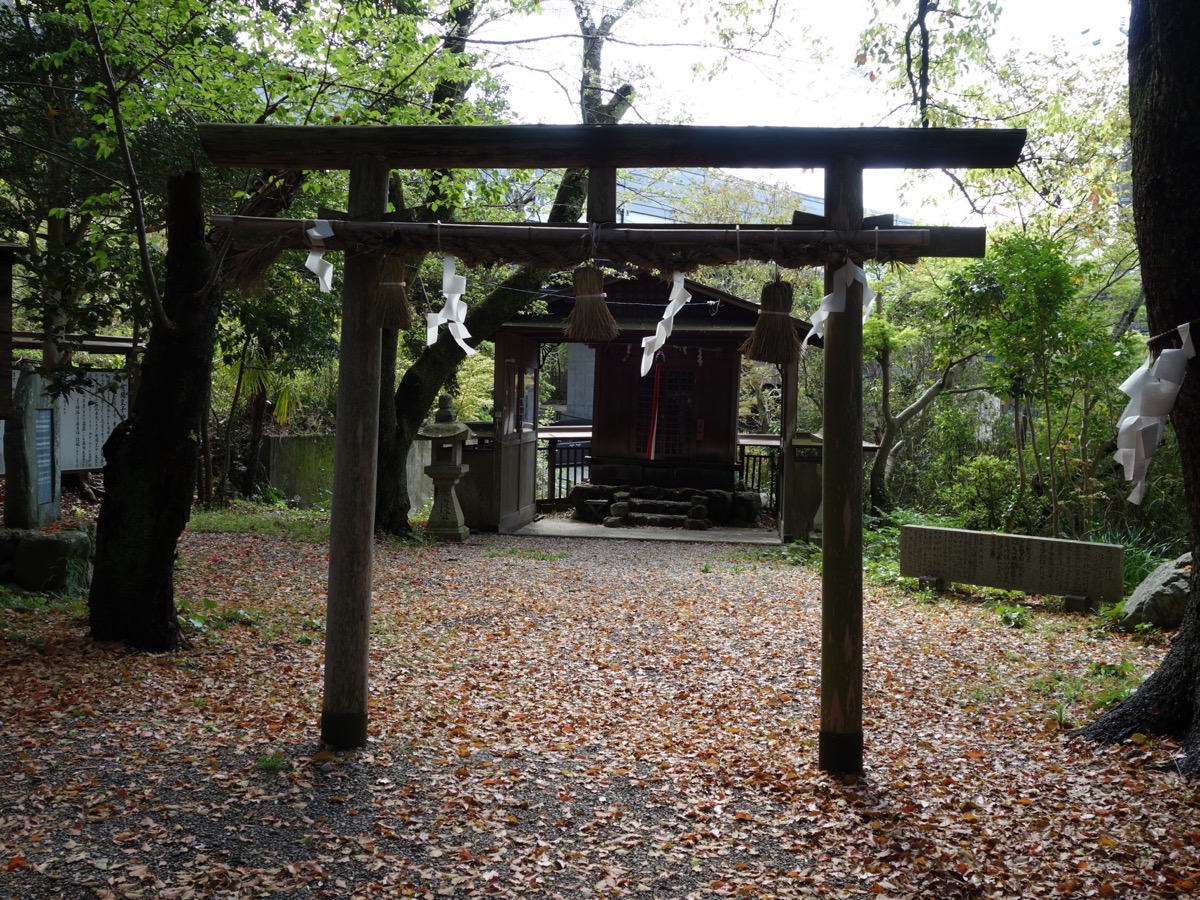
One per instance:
[(696, 443)]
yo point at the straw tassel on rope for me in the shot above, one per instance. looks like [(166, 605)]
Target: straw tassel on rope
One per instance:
[(393, 292), (590, 319), (774, 338)]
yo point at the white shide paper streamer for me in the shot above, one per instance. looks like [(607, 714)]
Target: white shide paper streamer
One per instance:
[(316, 262), (653, 343), (835, 301), (453, 313), (1152, 392)]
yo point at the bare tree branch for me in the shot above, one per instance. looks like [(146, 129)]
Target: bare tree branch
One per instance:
[(131, 178)]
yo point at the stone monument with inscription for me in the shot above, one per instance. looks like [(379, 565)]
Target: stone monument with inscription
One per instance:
[(32, 491), (1035, 565)]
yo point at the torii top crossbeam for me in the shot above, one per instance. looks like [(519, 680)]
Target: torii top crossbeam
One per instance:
[(369, 152), (624, 146)]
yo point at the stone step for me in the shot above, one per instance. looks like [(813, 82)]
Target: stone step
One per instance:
[(661, 507), (662, 521)]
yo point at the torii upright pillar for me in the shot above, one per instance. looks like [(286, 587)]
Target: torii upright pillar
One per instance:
[(840, 742), (352, 517)]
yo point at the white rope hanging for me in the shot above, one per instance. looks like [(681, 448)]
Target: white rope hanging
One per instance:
[(655, 342), (835, 300), (1152, 393), (453, 313), (316, 262)]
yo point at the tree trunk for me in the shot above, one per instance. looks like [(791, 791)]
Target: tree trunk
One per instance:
[(204, 471), (391, 484), (227, 457), (425, 379), (1163, 84), (880, 496), (151, 459), (893, 425), (395, 440), (258, 423), (433, 369)]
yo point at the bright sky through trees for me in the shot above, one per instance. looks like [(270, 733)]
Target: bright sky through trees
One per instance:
[(778, 82)]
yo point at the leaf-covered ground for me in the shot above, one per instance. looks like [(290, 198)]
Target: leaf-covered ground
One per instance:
[(560, 718)]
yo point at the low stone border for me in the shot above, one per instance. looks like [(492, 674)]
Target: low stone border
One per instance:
[(55, 562)]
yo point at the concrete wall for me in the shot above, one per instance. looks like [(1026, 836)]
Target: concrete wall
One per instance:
[(301, 466)]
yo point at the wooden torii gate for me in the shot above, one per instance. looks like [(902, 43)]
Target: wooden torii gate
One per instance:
[(370, 152)]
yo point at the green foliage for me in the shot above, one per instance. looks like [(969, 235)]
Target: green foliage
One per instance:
[(801, 553), (1105, 684), (20, 610), (176, 63), (1044, 303), (1053, 355), (1012, 616), (1144, 551), (1074, 169), (1109, 615), (473, 385), (880, 332), (1016, 302), (271, 763), (211, 616), (244, 517), (982, 493), (760, 397), (958, 42), (881, 551)]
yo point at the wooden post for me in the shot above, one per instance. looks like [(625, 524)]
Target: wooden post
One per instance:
[(8, 253), (789, 511), (840, 747), (351, 535), (602, 195)]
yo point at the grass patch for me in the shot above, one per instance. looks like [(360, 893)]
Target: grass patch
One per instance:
[(270, 763), (23, 603), (800, 553), (1143, 552), (22, 613), (528, 553), (210, 617), (1012, 615), (1102, 686), (243, 517)]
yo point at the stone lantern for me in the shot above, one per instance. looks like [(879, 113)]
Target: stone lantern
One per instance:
[(446, 469)]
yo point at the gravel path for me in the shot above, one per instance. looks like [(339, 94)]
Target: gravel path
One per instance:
[(564, 718)]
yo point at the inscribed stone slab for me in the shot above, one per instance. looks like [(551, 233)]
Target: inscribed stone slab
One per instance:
[(1013, 562)]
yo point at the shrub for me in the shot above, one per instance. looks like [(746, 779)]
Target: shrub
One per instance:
[(982, 492)]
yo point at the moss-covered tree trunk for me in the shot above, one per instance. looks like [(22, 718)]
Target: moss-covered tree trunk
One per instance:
[(150, 460), (1164, 82)]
